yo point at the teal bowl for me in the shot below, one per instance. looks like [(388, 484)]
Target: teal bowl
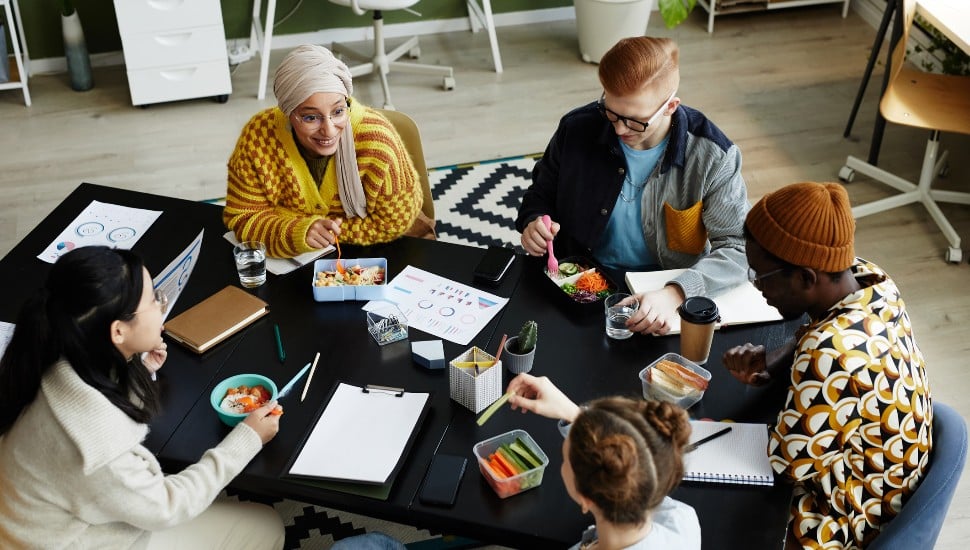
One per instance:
[(219, 392)]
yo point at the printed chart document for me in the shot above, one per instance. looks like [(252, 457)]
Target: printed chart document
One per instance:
[(440, 306), (6, 333), (739, 456), (282, 266), (102, 224), (175, 276), (362, 435), (737, 306)]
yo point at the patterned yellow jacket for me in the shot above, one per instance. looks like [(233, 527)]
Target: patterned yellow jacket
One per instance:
[(856, 431), (272, 197)]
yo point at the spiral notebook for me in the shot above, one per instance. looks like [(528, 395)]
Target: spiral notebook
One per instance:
[(739, 456)]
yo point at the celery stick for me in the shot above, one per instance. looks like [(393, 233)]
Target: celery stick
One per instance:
[(494, 407)]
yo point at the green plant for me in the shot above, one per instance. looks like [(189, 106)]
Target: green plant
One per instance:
[(526, 340), (675, 12), (951, 58)]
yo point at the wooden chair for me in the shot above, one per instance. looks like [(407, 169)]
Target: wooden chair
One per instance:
[(919, 522), (939, 103), (409, 133), (382, 61)]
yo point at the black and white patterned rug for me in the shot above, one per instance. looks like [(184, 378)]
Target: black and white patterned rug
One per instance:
[(475, 204)]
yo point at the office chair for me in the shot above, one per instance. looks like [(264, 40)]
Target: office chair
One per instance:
[(919, 522), (408, 130), (19, 43), (939, 103), (382, 61)]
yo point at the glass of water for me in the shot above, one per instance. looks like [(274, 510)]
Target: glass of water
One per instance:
[(619, 308), (250, 263)]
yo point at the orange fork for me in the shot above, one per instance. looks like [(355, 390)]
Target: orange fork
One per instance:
[(340, 267)]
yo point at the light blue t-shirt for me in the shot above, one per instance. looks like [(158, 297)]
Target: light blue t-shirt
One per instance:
[(674, 525), (622, 246)]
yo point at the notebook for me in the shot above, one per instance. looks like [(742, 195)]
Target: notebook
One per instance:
[(738, 305), (216, 318), (739, 456), (362, 435)]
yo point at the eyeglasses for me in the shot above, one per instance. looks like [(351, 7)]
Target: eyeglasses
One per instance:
[(633, 124), (756, 279), (161, 300), (315, 121)]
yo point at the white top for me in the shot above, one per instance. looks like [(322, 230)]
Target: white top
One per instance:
[(674, 525)]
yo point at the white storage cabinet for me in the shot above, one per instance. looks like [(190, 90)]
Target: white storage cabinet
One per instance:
[(174, 49)]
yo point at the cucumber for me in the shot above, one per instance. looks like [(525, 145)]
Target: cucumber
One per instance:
[(525, 453), (568, 268), (514, 458)]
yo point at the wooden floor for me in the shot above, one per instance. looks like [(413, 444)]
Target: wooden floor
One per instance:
[(779, 84)]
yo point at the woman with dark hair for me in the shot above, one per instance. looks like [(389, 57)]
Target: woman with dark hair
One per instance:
[(76, 397), (621, 458)]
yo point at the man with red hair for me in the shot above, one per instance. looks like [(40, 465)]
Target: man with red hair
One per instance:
[(638, 181)]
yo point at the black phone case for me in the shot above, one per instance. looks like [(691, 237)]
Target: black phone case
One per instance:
[(494, 264), (440, 487)]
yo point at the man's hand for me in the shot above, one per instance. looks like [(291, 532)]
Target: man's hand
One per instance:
[(657, 307), (536, 235), (323, 233), (748, 363)]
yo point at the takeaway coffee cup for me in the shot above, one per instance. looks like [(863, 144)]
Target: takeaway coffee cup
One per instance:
[(698, 316)]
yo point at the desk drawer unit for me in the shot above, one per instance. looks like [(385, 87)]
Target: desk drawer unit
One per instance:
[(174, 49)]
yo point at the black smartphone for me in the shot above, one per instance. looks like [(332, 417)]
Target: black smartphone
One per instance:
[(440, 486), (494, 264)]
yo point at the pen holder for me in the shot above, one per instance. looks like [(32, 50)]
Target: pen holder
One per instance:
[(387, 324), (475, 391)]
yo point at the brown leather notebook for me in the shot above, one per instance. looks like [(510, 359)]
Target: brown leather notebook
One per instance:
[(216, 318)]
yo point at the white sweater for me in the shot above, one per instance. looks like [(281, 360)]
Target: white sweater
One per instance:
[(74, 473)]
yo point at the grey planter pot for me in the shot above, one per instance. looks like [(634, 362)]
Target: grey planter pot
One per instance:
[(517, 363)]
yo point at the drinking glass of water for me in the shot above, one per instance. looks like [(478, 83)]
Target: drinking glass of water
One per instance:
[(250, 263), (619, 308)]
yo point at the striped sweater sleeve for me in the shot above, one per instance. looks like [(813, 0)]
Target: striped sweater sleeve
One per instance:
[(394, 195), (270, 190)]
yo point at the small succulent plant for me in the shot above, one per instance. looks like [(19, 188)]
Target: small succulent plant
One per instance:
[(526, 340)]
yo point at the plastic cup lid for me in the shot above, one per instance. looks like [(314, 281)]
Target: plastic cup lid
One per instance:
[(698, 310)]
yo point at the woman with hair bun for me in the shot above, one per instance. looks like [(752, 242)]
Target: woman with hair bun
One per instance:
[(621, 458)]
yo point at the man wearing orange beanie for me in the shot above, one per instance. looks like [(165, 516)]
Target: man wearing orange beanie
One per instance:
[(856, 430)]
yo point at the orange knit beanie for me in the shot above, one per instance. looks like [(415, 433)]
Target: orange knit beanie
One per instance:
[(806, 224)]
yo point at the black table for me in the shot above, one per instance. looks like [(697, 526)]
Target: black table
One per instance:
[(21, 272), (572, 350)]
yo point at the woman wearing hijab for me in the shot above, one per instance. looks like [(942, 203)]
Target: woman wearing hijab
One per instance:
[(320, 165)]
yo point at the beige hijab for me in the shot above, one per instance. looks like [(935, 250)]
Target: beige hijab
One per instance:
[(311, 69)]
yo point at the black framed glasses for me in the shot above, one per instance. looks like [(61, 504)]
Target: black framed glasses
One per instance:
[(756, 279), (313, 121), (631, 123)]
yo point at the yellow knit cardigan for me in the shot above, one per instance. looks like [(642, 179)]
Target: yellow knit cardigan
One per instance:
[(271, 196)]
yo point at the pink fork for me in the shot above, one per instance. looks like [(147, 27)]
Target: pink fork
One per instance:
[(552, 264)]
